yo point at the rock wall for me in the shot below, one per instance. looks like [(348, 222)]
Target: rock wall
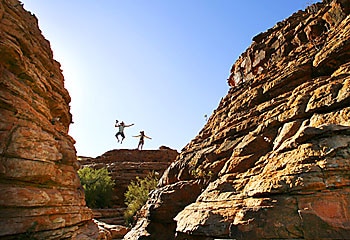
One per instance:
[(41, 193), (273, 160), (125, 165)]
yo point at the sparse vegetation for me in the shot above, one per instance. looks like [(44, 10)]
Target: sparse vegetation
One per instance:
[(98, 186), (137, 195)]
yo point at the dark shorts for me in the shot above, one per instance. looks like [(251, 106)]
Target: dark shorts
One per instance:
[(121, 134)]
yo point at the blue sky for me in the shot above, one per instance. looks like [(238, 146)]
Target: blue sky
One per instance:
[(160, 64)]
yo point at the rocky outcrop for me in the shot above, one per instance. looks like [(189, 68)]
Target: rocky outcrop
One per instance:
[(124, 165), (107, 231), (273, 160), (41, 193)]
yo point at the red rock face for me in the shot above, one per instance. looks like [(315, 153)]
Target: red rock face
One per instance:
[(41, 192), (125, 165), (273, 160)]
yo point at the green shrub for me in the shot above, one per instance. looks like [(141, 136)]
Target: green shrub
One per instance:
[(98, 186), (137, 195)]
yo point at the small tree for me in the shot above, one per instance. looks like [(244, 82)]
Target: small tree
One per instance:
[(137, 195), (98, 186)]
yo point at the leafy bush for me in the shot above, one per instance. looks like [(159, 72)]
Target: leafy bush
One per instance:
[(137, 195), (98, 186)]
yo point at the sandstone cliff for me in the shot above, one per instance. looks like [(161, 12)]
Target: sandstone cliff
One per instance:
[(273, 160), (124, 166), (41, 196)]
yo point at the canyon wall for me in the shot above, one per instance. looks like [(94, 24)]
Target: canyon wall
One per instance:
[(41, 196), (124, 166), (273, 160)]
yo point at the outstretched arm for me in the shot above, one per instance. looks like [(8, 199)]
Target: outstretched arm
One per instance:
[(129, 125), (148, 137)]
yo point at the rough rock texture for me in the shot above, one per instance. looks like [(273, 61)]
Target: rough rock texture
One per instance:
[(273, 160), (107, 231), (113, 215), (124, 166), (41, 192)]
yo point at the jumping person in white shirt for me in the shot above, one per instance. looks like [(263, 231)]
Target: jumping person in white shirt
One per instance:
[(121, 127)]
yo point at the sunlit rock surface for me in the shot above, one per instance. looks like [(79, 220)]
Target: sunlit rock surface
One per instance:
[(273, 160)]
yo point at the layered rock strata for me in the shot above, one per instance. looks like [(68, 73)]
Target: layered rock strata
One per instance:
[(273, 160), (124, 166), (41, 196)]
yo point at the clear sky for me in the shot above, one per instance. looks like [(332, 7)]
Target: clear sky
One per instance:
[(160, 64)]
